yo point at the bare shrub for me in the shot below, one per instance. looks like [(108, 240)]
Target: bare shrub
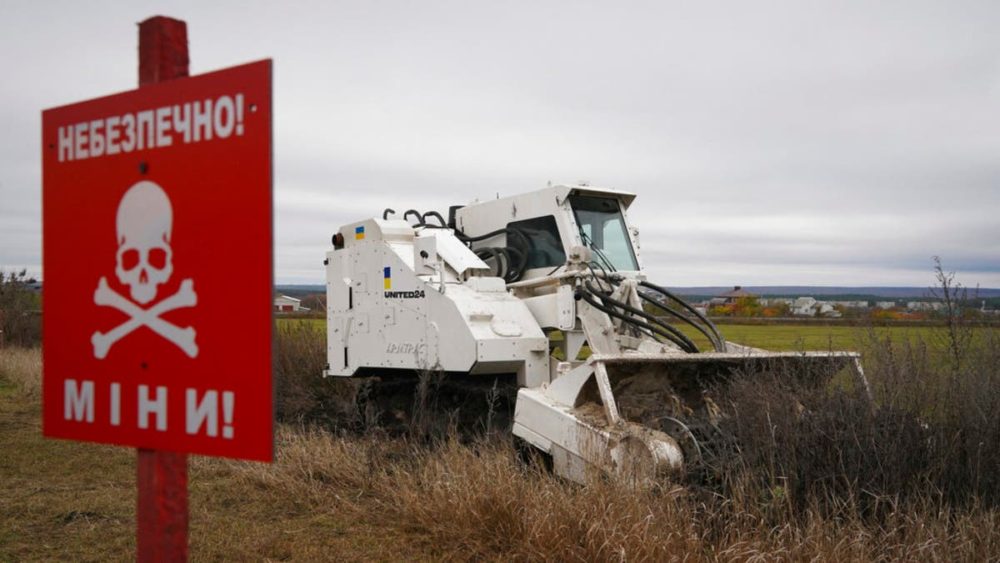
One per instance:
[(475, 501), (952, 295), (23, 368), (20, 308), (815, 448), (299, 360), (932, 432)]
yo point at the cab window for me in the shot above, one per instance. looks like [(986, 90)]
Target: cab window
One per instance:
[(545, 248)]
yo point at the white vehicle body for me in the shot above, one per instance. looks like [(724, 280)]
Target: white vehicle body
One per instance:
[(422, 297)]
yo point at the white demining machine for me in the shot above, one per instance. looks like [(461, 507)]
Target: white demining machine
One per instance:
[(549, 288)]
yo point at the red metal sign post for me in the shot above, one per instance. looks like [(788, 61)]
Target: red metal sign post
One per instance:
[(161, 476), (157, 253)]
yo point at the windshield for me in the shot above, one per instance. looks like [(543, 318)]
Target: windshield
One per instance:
[(603, 230)]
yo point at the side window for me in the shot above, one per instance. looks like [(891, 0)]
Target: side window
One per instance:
[(545, 247)]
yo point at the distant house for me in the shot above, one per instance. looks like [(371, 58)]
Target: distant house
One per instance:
[(885, 304), (804, 307), (828, 310), (925, 305), (730, 297), (810, 307), (286, 304), (850, 304)]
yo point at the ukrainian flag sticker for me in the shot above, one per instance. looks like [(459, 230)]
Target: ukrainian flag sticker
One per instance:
[(359, 233), (387, 277)]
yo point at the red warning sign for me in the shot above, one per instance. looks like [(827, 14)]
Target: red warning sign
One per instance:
[(157, 237)]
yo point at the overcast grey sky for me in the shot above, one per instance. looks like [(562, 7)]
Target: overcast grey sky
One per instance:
[(819, 143)]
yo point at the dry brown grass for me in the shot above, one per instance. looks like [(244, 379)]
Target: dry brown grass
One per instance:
[(842, 483), (71, 501), (22, 368), (478, 502)]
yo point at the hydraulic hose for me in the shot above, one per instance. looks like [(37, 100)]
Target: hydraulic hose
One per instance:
[(505, 257), (680, 316), (514, 256), (588, 297), (718, 341), (478, 238), (511, 260), (520, 253), (420, 219), (423, 218), (689, 345), (597, 251)]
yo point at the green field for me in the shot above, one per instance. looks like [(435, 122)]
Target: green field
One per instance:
[(785, 337), (797, 337), (789, 337)]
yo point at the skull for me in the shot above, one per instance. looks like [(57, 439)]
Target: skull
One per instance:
[(144, 258)]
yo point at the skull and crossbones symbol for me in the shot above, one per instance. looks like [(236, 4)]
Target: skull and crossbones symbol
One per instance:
[(144, 260)]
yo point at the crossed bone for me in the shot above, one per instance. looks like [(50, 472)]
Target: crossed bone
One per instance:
[(183, 338)]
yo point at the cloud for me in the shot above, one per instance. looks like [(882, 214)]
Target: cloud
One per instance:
[(786, 143)]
